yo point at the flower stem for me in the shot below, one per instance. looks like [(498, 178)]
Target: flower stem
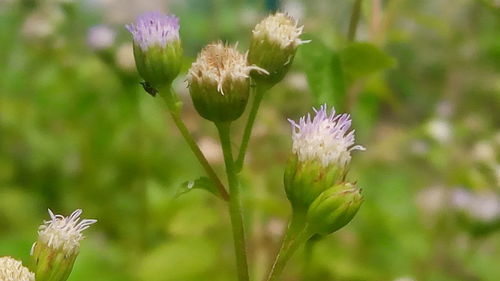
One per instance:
[(174, 106), (353, 24), (234, 202), (259, 93), (296, 235)]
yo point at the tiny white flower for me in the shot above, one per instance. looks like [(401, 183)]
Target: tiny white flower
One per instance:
[(280, 29), (325, 138), (62, 233), (218, 64), (13, 270)]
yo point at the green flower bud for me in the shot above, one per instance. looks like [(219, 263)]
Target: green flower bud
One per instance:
[(273, 45), (321, 153), (57, 246), (157, 48), (334, 208), (219, 83), (305, 180)]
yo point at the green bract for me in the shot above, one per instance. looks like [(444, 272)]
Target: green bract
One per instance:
[(219, 83), (271, 57), (305, 180), (334, 208), (217, 107), (158, 65), (51, 264)]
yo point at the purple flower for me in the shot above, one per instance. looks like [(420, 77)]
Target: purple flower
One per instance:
[(325, 138), (154, 28)]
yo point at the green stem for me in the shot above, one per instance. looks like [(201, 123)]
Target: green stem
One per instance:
[(296, 235), (234, 202), (259, 93), (353, 24), (174, 106)]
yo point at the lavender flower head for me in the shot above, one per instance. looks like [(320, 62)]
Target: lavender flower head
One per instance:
[(154, 28), (325, 138)]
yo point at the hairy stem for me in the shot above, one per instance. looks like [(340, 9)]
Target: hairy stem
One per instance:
[(174, 106), (234, 202)]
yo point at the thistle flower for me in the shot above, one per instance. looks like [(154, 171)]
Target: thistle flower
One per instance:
[(324, 138), (157, 47), (58, 245), (322, 148), (274, 43), (13, 270), (219, 82)]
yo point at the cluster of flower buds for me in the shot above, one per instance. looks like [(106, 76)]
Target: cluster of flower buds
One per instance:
[(219, 79), (315, 176), (58, 245)]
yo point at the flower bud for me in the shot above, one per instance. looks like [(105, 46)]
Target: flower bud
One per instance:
[(273, 46), (321, 153), (334, 208), (219, 82), (157, 47), (58, 245), (13, 270)]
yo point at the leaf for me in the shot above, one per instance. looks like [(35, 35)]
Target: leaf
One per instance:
[(200, 183), (362, 59), (324, 73)]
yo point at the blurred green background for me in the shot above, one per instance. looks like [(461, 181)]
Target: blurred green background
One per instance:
[(421, 80)]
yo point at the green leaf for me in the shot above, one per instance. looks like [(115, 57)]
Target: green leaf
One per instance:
[(362, 59), (324, 72), (200, 183)]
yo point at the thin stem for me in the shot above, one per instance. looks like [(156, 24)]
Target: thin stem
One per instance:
[(353, 24), (174, 106), (296, 235), (234, 202), (295, 226), (259, 93)]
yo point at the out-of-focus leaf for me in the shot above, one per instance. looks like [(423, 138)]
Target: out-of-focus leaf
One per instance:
[(200, 183), (186, 259), (362, 59), (324, 72)]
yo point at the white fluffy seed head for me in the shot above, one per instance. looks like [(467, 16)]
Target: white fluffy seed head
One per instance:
[(218, 63), (13, 270), (280, 29), (64, 233), (325, 138)]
